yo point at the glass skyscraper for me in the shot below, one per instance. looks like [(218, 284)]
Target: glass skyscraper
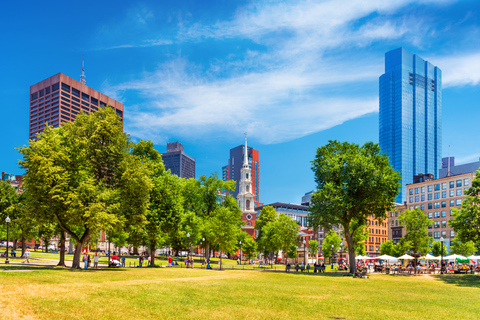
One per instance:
[(411, 115)]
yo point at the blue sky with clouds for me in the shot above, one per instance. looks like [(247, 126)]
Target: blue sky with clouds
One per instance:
[(293, 74)]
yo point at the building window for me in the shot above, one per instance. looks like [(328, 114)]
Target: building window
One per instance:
[(429, 215), (452, 203), (444, 194), (416, 190), (444, 214), (444, 234), (429, 234), (436, 235), (417, 198), (459, 202), (76, 92), (459, 192), (396, 223), (444, 204), (94, 101), (41, 93), (437, 214), (410, 199), (423, 197), (452, 234), (444, 186), (452, 184), (34, 96), (430, 205), (422, 207), (411, 190), (430, 188), (393, 223), (444, 224), (452, 193), (436, 205), (459, 183), (437, 195), (436, 224), (85, 97), (465, 182), (65, 87), (437, 187), (103, 104), (423, 189), (430, 196)]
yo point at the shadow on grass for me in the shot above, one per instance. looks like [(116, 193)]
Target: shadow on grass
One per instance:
[(32, 267), (461, 280)]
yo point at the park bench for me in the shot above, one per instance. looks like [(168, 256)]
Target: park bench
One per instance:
[(288, 267), (297, 267), (319, 269)]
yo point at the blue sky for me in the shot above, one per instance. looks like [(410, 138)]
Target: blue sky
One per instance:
[(291, 74)]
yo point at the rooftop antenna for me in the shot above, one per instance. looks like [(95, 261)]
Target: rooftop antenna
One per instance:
[(448, 172), (82, 79)]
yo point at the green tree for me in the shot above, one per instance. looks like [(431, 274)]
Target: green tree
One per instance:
[(292, 252), (436, 248), (416, 223), (463, 248), (353, 183), (400, 248), (266, 215), (285, 233), (249, 247), (313, 249), (387, 248), (267, 242), (466, 220), (81, 176), (331, 244)]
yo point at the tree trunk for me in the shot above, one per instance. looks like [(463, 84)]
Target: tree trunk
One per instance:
[(61, 263), (78, 250), (152, 256), (24, 245), (135, 250), (351, 252), (14, 247)]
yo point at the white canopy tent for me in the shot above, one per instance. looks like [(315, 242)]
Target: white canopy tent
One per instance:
[(472, 257), (430, 257), (387, 257), (453, 257), (406, 256), (361, 258)]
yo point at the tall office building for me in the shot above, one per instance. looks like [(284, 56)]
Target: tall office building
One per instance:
[(232, 170), (178, 161), (59, 99), (411, 116)]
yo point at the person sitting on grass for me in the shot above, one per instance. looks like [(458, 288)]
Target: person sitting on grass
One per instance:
[(260, 265), (208, 266)]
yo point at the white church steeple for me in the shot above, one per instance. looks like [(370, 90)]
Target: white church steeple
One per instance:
[(245, 196)]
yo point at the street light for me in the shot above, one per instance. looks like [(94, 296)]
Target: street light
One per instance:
[(204, 250), (188, 254), (333, 255), (304, 253), (7, 220), (441, 259), (240, 252)]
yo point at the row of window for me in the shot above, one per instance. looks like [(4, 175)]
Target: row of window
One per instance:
[(452, 193), (457, 183), (43, 101), (436, 205), (45, 91), (436, 235)]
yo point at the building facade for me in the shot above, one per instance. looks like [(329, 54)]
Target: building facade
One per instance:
[(307, 198), (410, 119), (15, 181), (450, 169), (436, 198), (395, 229), (59, 99), (178, 162), (232, 170), (377, 234)]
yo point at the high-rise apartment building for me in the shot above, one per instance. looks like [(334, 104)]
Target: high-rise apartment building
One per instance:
[(178, 161), (411, 115), (232, 170), (59, 99)]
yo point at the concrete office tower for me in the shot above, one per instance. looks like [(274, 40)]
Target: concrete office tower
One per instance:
[(178, 161), (59, 99), (232, 170), (411, 116)]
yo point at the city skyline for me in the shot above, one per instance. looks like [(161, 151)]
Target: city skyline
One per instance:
[(223, 69)]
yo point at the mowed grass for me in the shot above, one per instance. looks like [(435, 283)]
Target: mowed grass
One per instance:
[(173, 293)]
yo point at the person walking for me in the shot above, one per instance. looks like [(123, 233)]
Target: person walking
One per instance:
[(85, 261), (95, 260), (26, 255), (170, 261), (123, 261)]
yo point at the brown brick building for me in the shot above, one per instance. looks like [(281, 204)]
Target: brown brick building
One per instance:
[(436, 198), (59, 99)]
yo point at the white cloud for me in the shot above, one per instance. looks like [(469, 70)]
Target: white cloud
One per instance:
[(301, 82), (459, 69)]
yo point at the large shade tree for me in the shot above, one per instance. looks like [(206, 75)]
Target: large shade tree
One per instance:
[(353, 182), (80, 176)]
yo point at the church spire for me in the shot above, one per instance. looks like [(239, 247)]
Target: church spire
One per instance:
[(245, 154)]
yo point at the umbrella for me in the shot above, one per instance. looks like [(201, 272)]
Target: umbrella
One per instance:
[(360, 258), (453, 257), (472, 257), (406, 256), (429, 257), (386, 257)]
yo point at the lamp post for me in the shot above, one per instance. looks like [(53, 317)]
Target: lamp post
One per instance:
[(204, 250), (341, 252), (441, 259), (7, 220), (304, 253), (333, 255), (188, 254), (240, 252)]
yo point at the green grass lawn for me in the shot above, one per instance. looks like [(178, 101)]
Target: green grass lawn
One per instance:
[(178, 293)]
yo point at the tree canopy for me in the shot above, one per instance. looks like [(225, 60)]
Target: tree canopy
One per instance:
[(353, 182)]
